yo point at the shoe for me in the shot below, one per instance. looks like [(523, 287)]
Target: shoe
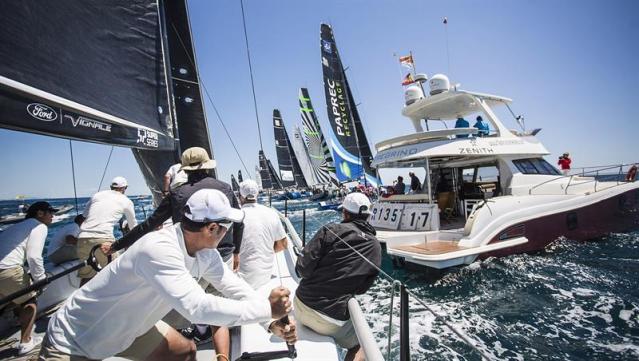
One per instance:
[(25, 348), (193, 333)]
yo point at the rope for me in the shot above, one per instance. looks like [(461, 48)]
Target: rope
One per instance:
[(442, 317), (208, 96), (105, 167), (75, 192), (248, 56)]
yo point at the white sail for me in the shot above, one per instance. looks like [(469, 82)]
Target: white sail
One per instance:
[(301, 152)]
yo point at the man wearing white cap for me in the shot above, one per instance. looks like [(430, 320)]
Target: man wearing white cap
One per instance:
[(120, 311), (263, 236), (332, 272), (101, 213)]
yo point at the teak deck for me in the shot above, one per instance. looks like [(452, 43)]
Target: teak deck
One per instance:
[(431, 247)]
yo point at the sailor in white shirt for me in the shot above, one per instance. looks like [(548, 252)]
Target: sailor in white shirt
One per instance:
[(101, 214), (62, 247), (263, 236), (119, 311), (174, 177), (22, 242)]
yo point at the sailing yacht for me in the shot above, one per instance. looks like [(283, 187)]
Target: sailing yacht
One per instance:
[(492, 195), (77, 84)]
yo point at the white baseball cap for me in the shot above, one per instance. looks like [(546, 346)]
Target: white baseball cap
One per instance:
[(356, 203), (249, 189), (119, 182), (211, 205)]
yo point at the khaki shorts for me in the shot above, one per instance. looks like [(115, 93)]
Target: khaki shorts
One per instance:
[(345, 335), (13, 280), (66, 253), (139, 349), (84, 249)]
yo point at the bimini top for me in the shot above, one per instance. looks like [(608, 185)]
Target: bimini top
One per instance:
[(451, 104)]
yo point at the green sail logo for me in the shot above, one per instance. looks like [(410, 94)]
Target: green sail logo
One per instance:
[(346, 170)]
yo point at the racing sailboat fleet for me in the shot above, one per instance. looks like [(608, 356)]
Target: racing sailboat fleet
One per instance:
[(483, 196)]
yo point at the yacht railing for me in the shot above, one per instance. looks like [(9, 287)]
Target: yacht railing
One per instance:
[(595, 173)]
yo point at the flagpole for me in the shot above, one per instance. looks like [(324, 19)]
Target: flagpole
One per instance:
[(447, 48), (399, 68)]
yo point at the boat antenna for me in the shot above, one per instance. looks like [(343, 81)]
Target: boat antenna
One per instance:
[(75, 192), (518, 118), (447, 48), (248, 56)]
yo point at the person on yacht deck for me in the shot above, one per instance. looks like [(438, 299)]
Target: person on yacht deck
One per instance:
[(119, 312), (332, 272), (399, 187), (462, 123), (484, 130), (101, 213), (22, 242), (564, 162), (62, 247), (415, 184)]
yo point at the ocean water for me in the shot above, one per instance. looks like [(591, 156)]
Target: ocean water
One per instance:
[(573, 301)]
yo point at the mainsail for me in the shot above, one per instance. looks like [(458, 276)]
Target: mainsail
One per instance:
[(282, 150), (351, 151), (239, 176), (318, 151), (117, 77), (301, 154), (269, 178), (234, 185)]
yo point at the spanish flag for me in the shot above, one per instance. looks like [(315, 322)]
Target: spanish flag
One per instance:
[(408, 79), (406, 61)]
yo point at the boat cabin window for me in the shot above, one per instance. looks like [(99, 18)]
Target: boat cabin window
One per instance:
[(480, 182), (535, 166)]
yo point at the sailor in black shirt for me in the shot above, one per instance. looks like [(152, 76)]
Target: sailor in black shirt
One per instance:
[(332, 273)]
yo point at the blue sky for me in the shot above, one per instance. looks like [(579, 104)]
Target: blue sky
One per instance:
[(570, 67)]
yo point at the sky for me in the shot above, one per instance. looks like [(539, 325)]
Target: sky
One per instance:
[(569, 66)]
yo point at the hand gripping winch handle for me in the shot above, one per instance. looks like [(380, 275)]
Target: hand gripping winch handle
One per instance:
[(292, 352)]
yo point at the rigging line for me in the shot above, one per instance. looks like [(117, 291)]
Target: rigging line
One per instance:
[(248, 56), (447, 48), (75, 192), (105, 168), (206, 91), (442, 317)]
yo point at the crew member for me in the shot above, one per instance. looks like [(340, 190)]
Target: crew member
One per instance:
[(120, 312), (415, 184), (484, 130), (400, 187), (564, 162), (197, 165), (462, 123), (101, 214), (332, 272), (174, 177), (62, 247), (22, 242)]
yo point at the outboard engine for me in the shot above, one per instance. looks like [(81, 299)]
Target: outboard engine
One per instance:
[(439, 83), (412, 94)]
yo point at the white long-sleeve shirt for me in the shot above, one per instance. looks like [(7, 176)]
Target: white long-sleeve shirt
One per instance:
[(24, 241), (130, 295), (103, 211)]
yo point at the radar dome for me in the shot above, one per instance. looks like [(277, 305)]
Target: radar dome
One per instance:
[(439, 83), (412, 94)]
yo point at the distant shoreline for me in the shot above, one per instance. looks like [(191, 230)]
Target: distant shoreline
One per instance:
[(58, 198)]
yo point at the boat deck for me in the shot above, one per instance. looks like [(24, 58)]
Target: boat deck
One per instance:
[(431, 247)]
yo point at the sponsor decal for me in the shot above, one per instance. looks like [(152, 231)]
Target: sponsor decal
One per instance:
[(42, 112), (476, 150), (395, 154), (497, 143), (148, 138), (326, 46), (338, 107), (325, 62), (88, 123)]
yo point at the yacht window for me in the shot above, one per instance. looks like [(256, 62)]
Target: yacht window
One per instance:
[(535, 166)]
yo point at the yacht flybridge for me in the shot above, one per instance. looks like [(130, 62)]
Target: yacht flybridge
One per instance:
[(489, 195)]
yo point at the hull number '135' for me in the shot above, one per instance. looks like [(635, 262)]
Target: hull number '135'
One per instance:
[(405, 217)]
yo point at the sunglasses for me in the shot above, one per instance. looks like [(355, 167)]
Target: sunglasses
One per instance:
[(226, 225)]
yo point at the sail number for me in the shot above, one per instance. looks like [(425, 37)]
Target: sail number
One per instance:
[(405, 217)]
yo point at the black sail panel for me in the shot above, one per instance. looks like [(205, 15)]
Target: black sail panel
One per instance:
[(89, 70), (265, 172), (187, 106), (234, 185), (282, 150), (239, 176)]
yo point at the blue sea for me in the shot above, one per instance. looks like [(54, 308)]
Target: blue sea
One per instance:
[(573, 301)]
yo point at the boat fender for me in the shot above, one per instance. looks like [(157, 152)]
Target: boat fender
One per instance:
[(632, 174)]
